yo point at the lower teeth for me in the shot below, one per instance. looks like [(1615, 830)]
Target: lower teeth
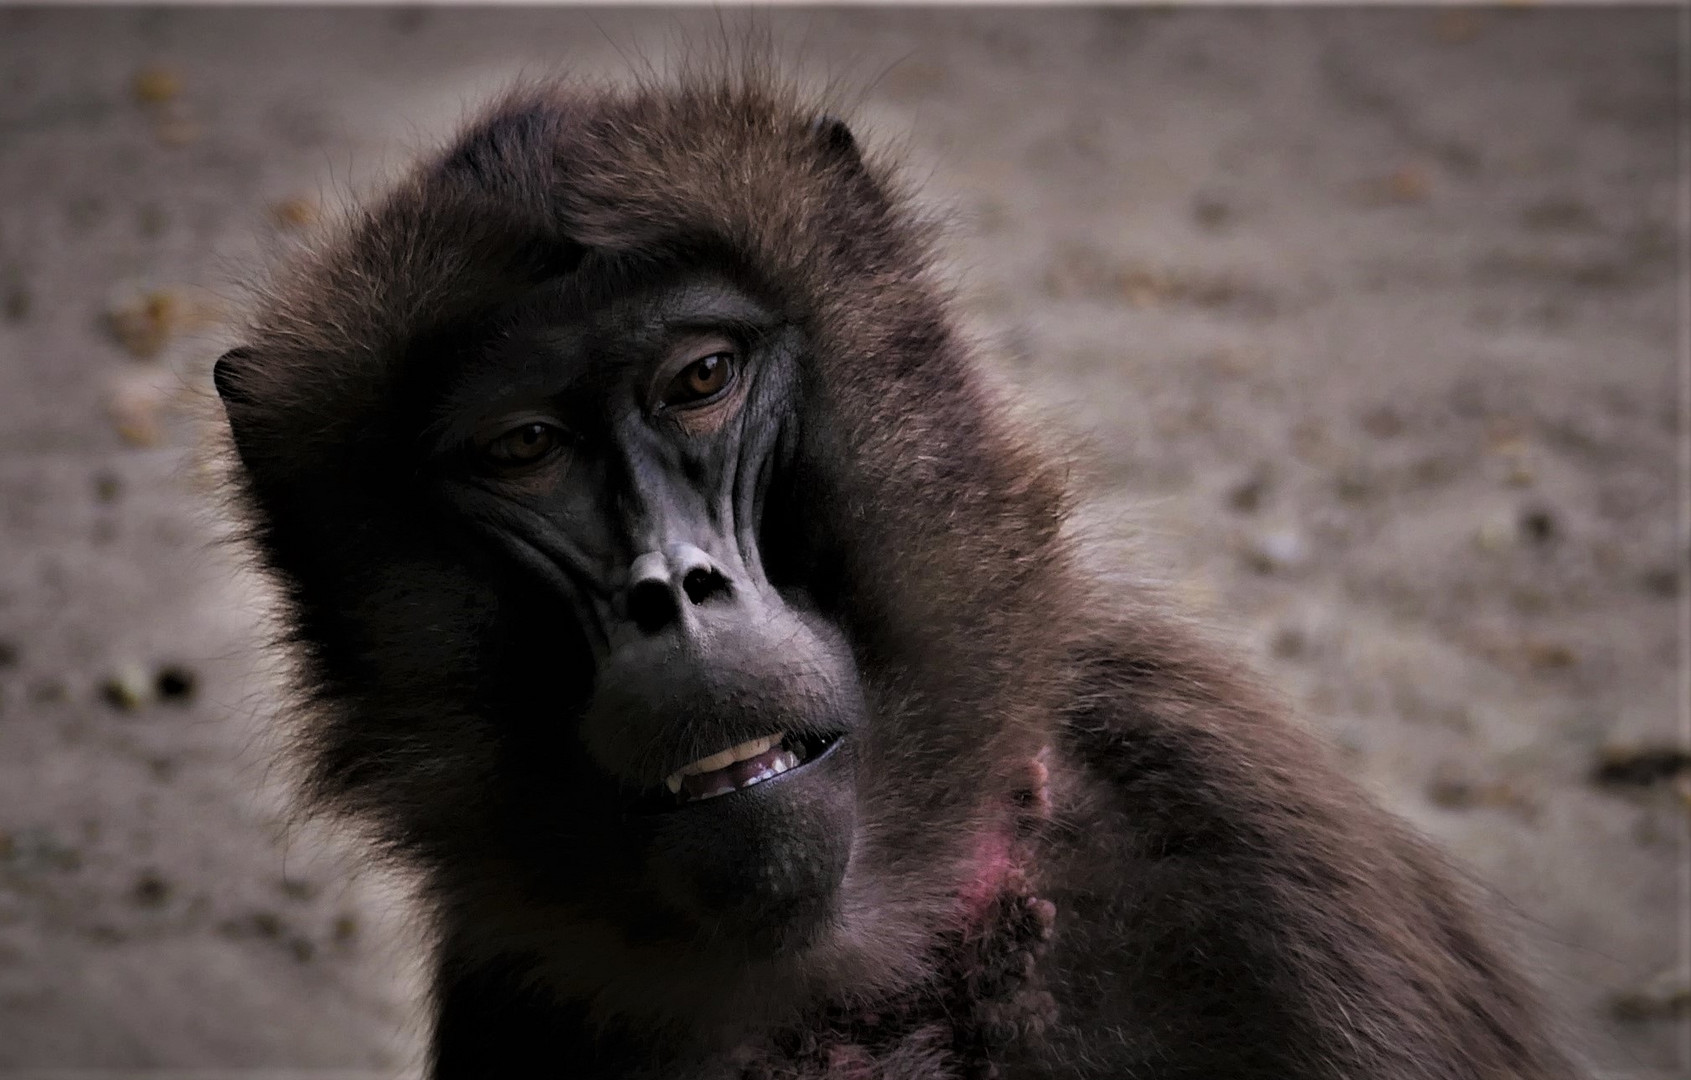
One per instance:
[(789, 754), (783, 760)]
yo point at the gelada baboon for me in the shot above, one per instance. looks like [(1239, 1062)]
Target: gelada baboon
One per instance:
[(670, 591)]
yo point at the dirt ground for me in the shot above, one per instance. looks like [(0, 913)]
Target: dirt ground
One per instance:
[(1364, 325)]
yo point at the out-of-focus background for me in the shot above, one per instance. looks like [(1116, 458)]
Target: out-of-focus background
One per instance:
[(1365, 324)]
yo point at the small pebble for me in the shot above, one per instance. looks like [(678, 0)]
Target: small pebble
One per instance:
[(156, 85), (1507, 436), (134, 410), (17, 304), (1666, 997), (1277, 551), (1640, 765), (1538, 525), (175, 684), (175, 126), (1548, 655), (1663, 581), (1496, 534), (1410, 184), (47, 691), (1289, 643), (1454, 793), (151, 222), (1310, 442), (150, 890), (128, 688), (1558, 214), (1407, 185), (144, 324), (295, 213), (1211, 212), (298, 888), (1457, 26), (1353, 484), (1247, 496), (37, 850), (1433, 471), (107, 487), (266, 924), (345, 929)]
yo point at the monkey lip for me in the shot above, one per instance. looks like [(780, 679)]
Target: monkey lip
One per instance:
[(753, 762)]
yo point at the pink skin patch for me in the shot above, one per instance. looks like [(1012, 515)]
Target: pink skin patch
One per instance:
[(992, 862)]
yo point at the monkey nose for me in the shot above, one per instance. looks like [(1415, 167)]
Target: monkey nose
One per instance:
[(662, 585)]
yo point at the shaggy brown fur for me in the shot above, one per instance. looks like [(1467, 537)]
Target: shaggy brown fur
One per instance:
[(1085, 846)]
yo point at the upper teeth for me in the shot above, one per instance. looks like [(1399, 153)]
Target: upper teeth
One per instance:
[(722, 759)]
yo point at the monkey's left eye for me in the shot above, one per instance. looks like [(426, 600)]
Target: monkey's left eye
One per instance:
[(525, 444), (700, 381)]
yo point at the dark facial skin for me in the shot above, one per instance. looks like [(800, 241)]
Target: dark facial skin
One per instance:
[(616, 457)]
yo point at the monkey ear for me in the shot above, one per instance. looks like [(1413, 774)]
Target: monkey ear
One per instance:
[(227, 379), (226, 376), (836, 138)]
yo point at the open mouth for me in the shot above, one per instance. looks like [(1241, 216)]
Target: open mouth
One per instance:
[(745, 765)]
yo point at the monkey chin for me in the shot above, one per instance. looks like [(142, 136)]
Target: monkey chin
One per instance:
[(761, 867), (742, 772)]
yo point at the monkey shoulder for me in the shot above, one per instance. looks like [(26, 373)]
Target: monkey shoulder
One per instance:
[(1228, 903)]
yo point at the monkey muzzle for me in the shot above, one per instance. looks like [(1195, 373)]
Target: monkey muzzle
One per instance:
[(726, 715)]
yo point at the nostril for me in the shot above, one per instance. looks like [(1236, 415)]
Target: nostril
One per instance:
[(702, 583), (651, 605)]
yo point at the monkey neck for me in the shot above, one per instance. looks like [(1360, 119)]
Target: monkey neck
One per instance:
[(987, 992), (987, 999)]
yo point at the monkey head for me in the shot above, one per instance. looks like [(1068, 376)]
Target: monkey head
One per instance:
[(663, 578)]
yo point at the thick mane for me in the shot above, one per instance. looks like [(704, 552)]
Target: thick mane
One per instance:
[(959, 627)]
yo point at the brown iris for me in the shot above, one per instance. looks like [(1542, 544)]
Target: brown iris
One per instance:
[(700, 381), (523, 445)]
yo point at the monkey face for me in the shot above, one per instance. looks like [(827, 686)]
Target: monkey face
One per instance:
[(613, 458)]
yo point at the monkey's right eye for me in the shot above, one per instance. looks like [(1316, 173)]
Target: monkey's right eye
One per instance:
[(701, 381), (526, 444)]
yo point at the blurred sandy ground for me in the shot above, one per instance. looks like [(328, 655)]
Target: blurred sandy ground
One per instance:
[(1365, 323)]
